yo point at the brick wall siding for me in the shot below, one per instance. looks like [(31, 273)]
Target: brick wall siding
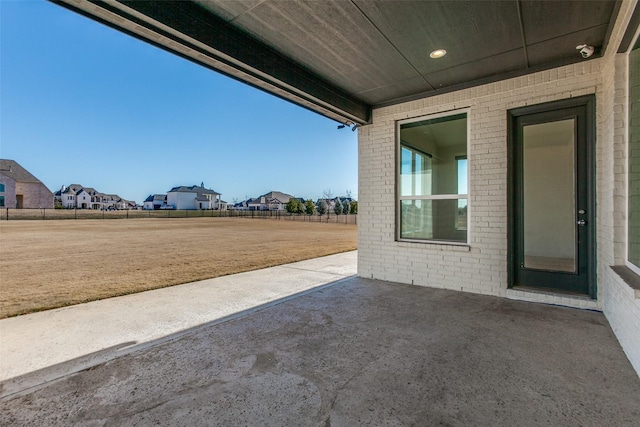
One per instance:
[(35, 195), (621, 303), (480, 267), (9, 191)]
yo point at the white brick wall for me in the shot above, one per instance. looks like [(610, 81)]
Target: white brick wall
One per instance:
[(621, 303), (481, 267), (622, 310)]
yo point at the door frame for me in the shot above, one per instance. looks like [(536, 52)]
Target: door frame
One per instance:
[(588, 102)]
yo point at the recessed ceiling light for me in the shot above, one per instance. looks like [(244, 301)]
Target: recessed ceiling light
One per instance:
[(438, 53)]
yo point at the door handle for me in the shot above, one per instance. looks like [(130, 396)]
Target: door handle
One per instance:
[(581, 222)]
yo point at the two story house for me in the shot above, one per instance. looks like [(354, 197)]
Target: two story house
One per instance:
[(193, 198)]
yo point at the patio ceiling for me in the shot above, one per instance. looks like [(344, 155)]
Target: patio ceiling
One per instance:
[(342, 58)]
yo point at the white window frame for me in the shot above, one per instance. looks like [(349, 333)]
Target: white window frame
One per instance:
[(399, 198), (629, 264)]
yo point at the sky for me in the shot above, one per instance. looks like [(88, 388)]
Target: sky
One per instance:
[(81, 103)]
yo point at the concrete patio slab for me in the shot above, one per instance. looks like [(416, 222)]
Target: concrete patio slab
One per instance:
[(54, 343), (361, 352)]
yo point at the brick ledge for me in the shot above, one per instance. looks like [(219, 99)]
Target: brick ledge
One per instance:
[(629, 277)]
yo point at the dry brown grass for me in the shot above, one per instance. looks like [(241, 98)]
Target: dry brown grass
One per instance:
[(48, 264)]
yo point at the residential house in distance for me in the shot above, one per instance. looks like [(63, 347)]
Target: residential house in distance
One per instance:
[(241, 206), (19, 189), (272, 201), (331, 203), (76, 196), (66, 196), (193, 198), (155, 202)]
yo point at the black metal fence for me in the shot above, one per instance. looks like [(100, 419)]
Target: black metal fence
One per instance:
[(51, 214)]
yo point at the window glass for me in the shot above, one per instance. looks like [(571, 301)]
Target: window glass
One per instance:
[(433, 179), (461, 214), (633, 226), (415, 173), (1, 201), (420, 217), (1, 188)]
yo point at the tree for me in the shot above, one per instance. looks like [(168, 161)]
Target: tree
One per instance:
[(322, 207), (346, 206), (354, 207), (337, 208), (309, 207), (289, 206), (294, 206)]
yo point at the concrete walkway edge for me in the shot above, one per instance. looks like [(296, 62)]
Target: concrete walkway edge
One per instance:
[(39, 348)]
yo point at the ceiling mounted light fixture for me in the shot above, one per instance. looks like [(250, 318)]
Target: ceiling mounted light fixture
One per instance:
[(438, 53)]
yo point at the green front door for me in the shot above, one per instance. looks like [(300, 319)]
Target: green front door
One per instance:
[(552, 214)]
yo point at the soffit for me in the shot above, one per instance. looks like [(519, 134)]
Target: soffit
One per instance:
[(343, 58)]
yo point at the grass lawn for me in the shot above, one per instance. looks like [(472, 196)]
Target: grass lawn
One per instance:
[(54, 263)]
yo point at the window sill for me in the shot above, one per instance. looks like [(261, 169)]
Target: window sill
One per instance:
[(432, 244), (629, 277)]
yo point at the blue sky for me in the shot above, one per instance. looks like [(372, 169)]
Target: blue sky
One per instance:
[(85, 104)]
